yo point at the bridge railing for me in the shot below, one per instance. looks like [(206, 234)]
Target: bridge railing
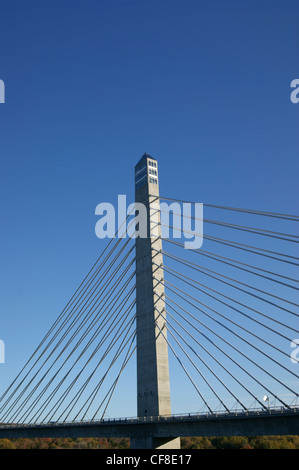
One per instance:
[(175, 417)]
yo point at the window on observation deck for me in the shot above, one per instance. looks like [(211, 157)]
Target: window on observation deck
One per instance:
[(153, 180), (153, 164)]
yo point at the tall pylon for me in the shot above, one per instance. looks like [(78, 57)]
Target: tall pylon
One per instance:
[(153, 389)]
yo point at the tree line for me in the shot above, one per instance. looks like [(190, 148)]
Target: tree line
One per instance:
[(233, 442)]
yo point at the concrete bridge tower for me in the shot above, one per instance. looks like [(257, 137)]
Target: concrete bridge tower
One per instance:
[(153, 390)]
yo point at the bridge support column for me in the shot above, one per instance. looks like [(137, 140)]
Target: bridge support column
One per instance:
[(153, 390), (155, 443)]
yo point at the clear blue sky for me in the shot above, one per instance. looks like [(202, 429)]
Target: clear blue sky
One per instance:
[(203, 86)]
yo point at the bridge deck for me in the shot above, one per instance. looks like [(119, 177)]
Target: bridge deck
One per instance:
[(251, 423)]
